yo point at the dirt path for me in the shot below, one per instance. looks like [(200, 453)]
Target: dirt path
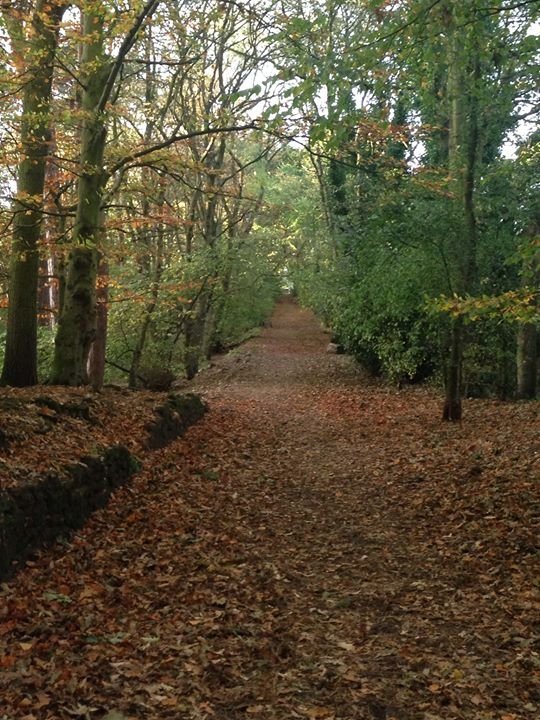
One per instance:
[(318, 547)]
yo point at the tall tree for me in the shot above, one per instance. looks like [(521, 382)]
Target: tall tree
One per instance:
[(76, 328), (462, 96), (36, 41), (527, 334)]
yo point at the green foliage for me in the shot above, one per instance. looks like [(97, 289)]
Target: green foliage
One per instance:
[(402, 233), (372, 227), (249, 299), (45, 348), (489, 367), (45, 352), (130, 296)]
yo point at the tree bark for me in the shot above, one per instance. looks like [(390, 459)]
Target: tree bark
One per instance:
[(45, 304), (527, 336), (96, 361), (527, 361), (77, 324), (20, 360), (194, 334), (149, 308), (463, 144)]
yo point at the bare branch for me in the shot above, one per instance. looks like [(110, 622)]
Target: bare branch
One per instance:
[(179, 138), (126, 46)]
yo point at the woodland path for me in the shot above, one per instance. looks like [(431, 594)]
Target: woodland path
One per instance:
[(319, 546)]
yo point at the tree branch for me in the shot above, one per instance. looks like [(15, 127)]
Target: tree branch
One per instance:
[(179, 138), (400, 29), (126, 46)]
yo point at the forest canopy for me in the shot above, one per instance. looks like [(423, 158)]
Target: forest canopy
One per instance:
[(167, 169)]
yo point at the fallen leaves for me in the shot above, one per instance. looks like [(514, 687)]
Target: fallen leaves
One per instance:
[(318, 712), (41, 438), (319, 547)]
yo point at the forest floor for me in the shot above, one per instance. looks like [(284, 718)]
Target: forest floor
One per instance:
[(319, 546)]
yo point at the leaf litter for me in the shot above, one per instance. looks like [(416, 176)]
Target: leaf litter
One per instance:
[(318, 546)]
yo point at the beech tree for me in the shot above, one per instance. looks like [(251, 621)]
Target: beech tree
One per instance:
[(33, 35), (76, 329)]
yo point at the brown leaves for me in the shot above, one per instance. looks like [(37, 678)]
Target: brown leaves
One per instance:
[(318, 548), (317, 712), (48, 428)]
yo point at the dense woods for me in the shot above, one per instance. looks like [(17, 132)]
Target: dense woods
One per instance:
[(255, 255), (168, 169)]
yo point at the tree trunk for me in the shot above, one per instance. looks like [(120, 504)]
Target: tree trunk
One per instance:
[(141, 341), (463, 142), (61, 292), (20, 360), (527, 361), (196, 326), (77, 327), (210, 327), (453, 372), (45, 306), (527, 337), (148, 310), (217, 341), (77, 324), (452, 402), (194, 334), (96, 361)]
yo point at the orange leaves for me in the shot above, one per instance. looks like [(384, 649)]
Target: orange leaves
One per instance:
[(7, 661), (162, 216), (318, 548), (514, 305), (7, 627), (91, 591), (318, 712)]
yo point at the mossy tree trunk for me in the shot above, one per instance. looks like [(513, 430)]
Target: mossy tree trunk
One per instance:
[(20, 360), (194, 333), (96, 360), (77, 324)]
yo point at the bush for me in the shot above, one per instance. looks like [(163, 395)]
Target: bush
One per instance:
[(156, 378)]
